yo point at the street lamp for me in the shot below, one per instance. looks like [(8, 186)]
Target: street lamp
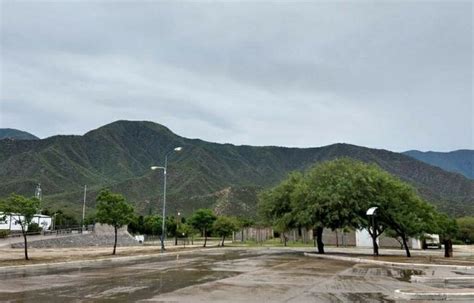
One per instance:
[(164, 168)]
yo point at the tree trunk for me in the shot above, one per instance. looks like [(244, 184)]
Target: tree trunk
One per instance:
[(337, 238), (205, 238), (448, 248), (223, 239), (405, 244), (319, 233), (175, 240), (375, 246), (26, 244), (285, 239), (242, 239), (115, 241)]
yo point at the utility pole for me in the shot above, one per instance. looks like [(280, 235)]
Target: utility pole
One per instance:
[(84, 208)]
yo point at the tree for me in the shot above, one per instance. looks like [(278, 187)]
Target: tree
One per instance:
[(224, 226), (137, 225), (153, 225), (336, 194), (331, 196), (112, 209), (275, 205), (22, 211), (172, 228), (447, 228), (403, 212), (466, 229), (202, 220)]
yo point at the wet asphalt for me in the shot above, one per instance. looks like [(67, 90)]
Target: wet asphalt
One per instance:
[(216, 275)]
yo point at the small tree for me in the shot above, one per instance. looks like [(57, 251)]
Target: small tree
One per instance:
[(202, 220), (466, 229), (153, 225), (22, 211), (447, 228), (224, 226), (112, 209)]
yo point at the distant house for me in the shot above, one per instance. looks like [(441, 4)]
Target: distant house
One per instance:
[(10, 222)]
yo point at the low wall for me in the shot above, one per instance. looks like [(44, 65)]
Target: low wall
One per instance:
[(102, 236)]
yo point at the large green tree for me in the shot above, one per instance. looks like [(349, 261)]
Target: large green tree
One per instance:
[(21, 210), (202, 220), (331, 196), (112, 209), (337, 194), (276, 205)]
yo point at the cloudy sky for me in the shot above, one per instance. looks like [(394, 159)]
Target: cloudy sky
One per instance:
[(392, 75)]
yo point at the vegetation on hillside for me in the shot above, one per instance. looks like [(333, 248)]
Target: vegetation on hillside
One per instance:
[(222, 177)]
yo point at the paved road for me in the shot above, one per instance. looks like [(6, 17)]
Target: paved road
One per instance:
[(215, 275)]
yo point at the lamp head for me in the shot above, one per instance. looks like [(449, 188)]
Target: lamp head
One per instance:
[(177, 149)]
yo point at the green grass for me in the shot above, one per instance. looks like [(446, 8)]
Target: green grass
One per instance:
[(270, 243)]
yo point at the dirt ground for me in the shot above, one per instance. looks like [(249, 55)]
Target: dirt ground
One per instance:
[(10, 256), (464, 255)]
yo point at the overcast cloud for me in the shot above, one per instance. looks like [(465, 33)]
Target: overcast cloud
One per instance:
[(393, 75)]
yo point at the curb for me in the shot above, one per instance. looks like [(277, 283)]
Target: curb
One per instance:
[(75, 263), (386, 263), (443, 280), (434, 295)]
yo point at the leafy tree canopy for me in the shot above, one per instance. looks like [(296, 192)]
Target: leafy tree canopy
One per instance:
[(112, 209)]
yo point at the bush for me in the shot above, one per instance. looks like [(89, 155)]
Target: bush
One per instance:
[(4, 233), (34, 228)]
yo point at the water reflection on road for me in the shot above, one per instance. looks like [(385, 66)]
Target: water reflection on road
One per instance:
[(244, 275)]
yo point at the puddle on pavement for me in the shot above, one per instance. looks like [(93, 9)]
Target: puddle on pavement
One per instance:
[(405, 274), (364, 297), (134, 280), (396, 273)]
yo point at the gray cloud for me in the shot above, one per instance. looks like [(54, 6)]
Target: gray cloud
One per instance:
[(393, 75)]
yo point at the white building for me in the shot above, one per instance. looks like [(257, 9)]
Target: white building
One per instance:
[(10, 222)]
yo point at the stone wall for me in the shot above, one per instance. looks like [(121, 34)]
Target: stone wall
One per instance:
[(102, 236)]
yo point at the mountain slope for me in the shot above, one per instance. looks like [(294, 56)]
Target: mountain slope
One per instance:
[(15, 134), (459, 161), (119, 155)]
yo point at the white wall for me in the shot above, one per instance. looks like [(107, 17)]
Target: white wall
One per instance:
[(10, 222), (363, 238)]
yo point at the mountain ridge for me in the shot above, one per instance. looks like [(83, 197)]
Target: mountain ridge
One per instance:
[(119, 155), (460, 161), (16, 134)]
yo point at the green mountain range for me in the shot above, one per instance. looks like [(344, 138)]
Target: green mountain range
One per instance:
[(459, 161), (15, 134), (223, 176)]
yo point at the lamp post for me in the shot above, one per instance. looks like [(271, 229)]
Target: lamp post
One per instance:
[(164, 168)]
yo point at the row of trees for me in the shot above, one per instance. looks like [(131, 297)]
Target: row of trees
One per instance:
[(203, 222), (337, 194), (114, 210)]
